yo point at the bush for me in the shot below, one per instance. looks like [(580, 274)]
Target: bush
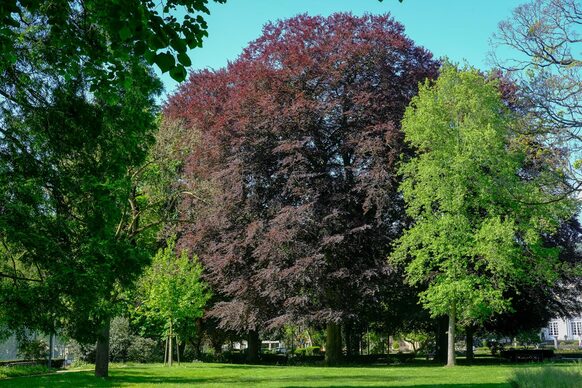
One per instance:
[(123, 346), (84, 353), (32, 349), (548, 376), (308, 351), (120, 339), (144, 350)]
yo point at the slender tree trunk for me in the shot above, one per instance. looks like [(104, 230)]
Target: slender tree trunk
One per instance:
[(451, 359), (469, 332), (102, 351), (178, 350), (333, 344), (170, 354), (51, 347), (253, 349), (166, 352)]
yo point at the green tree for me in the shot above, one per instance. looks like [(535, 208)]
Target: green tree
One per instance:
[(469, 192), (172, 290)]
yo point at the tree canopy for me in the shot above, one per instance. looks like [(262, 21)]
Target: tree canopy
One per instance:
[(475, 232), (107, 36), (303, 157)]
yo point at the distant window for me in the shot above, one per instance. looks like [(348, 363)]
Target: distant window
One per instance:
[(553, 328), (577, 328)]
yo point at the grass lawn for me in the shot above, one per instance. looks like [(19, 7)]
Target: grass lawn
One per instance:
[(221, 375)]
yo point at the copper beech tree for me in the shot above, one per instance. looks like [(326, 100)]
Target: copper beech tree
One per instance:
[(299, 138)]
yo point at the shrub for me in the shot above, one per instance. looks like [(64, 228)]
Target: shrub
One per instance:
[(32, 349), (123, 346), (548, 376), (84, 353), (120, 339), (144, 350)]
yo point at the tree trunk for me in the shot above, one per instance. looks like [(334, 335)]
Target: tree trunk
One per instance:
[(333, 344), (451, 359), (166, 352), (171, 340), (51, 347), (441, 340), (469, 331), (102, 351), (253, 349)]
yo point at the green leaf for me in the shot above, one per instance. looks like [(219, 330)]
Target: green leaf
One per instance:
[(139, 48), (150, 56), (165, 62), (184, 59), (125, 33), (178, 73)]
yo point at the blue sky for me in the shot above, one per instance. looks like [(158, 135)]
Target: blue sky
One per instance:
[(459, 29)]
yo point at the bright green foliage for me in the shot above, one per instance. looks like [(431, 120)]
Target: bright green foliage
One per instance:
[(108, 36), (476, 232), (172, 288)]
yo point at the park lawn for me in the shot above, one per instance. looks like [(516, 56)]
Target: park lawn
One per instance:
[(224, 375)]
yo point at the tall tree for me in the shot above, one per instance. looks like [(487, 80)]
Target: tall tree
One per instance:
[(475, 233), (68, 214), (300, 136)]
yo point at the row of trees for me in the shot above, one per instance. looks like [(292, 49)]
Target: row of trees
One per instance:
[(318, 174), (282, 172)]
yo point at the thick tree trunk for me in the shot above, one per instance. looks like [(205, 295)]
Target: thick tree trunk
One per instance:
[(469, 331), (253, 350), (102, 351), (451, 359), (441, 340), (333, 344)]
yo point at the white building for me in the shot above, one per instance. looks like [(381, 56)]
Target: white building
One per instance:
[(563, 329)]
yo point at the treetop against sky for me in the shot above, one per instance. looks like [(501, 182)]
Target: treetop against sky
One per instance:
[(459, 29)]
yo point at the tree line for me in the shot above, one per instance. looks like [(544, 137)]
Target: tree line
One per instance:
[(335, 175)]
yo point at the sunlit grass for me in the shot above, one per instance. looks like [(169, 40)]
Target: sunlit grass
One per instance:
[(224, 375)]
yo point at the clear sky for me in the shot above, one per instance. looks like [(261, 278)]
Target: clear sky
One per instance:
[(459, 29)]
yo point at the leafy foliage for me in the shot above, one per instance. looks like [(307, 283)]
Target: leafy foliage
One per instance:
[(302, 157), (67, 161), (172, 290), (107, 36), (476, 232)]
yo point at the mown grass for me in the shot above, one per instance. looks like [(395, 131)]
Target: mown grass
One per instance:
[(225, 375)]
